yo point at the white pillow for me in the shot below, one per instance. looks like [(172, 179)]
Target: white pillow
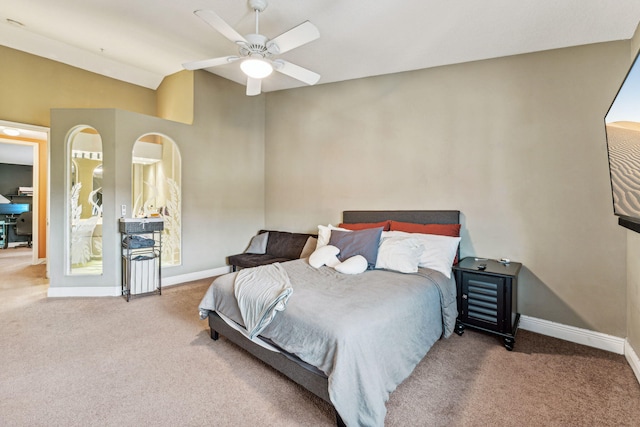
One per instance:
[(355, 265), (324, 234), (401, 253), (325, 255), (439, 251), (309, 247)]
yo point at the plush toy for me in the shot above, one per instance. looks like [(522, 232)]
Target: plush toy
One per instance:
[(355, 265), (327, 255)]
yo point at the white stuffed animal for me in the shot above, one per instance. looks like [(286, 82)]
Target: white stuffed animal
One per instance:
[(327, 255)]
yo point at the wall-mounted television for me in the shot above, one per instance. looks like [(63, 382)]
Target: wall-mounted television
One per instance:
[(622, 124)]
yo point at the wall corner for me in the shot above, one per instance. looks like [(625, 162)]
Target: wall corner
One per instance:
[(175, 97)]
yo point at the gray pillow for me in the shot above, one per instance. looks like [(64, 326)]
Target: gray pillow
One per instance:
[(359, 242), (258, 244)]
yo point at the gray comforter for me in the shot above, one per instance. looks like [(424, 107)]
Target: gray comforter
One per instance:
[(261, 292), (366, 332)]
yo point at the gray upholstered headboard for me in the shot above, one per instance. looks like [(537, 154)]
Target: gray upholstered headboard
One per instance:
[(416, 217)]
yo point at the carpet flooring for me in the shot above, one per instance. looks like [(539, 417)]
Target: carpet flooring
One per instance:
[(150, 362)]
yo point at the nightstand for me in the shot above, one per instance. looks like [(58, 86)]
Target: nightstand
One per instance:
[(488, 297)]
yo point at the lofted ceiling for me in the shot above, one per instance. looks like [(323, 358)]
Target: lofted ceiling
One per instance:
[(141, 41)]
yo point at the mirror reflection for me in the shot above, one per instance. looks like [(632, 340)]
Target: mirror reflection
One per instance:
[(156, 189), (85, 201)]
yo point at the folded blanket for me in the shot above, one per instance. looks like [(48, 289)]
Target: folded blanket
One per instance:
[(261, 292), (137, 242)]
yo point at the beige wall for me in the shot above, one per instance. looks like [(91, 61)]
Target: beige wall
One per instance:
[(222, 172), (39, 84), (176, 97), (633, 255), (633, 290), (31, 86), (222, 177), (517, 144)]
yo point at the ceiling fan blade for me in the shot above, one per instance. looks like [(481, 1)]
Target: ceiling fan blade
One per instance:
[(297, 72), (206, 63), (254, 86), (297, 36), (211, 18)]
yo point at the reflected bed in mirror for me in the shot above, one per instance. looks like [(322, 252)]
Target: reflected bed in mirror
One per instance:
[(622, 124)]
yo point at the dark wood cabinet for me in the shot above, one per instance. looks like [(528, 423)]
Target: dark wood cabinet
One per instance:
[(488, 297)]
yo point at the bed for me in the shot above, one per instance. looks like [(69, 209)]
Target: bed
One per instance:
[(350, 339)]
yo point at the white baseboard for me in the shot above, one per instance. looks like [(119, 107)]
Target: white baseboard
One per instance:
[(83, 291), (632, 358), (573, 334), (105, 291), (189, 277)]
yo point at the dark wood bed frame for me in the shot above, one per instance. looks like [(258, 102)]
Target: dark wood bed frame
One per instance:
[(307, 376)]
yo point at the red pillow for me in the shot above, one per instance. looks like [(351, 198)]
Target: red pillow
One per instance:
[(452, 230), (365, 225)]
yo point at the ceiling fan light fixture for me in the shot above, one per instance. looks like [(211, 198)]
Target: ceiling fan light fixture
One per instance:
[(256, 68), (257, 54)]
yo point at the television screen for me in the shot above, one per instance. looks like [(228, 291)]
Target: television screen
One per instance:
[(622, 124)]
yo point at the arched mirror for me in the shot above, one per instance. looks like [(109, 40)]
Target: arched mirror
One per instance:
[(84, 201), (157, 189)]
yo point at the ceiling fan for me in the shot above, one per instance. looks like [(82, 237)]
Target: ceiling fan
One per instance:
[(257, 52)]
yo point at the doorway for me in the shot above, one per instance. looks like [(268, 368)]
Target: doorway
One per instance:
[(23, 144)]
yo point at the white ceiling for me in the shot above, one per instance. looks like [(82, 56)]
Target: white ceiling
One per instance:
[(16, 154), (141, 41)]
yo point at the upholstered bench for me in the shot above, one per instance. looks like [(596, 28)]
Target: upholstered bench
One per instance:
[(270, 246)]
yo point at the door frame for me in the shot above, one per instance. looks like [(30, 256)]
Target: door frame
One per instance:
[(36, 181)]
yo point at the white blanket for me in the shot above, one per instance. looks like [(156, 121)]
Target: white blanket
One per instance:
[(261, 292)]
